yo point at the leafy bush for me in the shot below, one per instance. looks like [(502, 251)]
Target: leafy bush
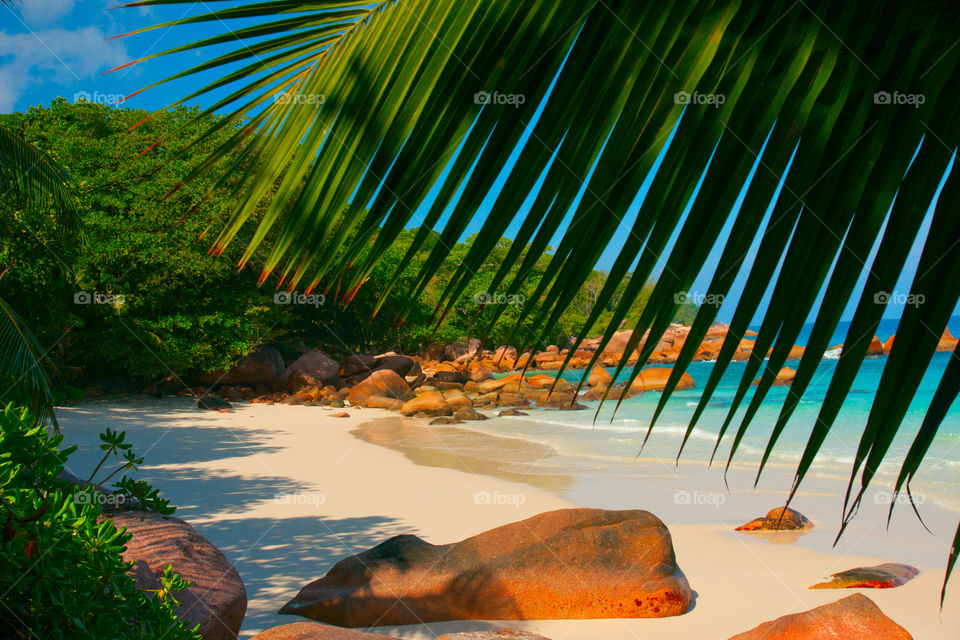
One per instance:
[(62, 574)]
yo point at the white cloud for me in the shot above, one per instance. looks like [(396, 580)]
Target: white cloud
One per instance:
[(67, 57), (44, 12)]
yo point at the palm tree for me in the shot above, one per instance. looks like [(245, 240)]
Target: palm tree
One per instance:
[(834, 122)]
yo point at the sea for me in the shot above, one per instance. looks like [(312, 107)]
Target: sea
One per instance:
[(604, 441)]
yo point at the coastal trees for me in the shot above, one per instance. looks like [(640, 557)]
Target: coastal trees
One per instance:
[(819, 130)]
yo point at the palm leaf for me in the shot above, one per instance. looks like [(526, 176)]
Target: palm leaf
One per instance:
[(22, 365), (813, 152), (33, 180)]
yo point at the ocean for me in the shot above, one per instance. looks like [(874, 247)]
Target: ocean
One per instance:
[(611, 444)]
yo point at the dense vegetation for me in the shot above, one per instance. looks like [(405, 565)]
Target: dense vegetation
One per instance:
[(142, 298), (57, 536)]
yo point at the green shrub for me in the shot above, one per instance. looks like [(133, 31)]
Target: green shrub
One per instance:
[(62, 573)]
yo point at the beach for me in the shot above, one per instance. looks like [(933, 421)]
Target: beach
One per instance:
[(287, 491)]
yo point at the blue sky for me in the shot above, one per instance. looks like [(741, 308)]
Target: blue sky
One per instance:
[(63, 47)]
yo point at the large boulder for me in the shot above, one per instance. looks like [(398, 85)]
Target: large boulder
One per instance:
[(655, 379), (477, 372), (855, 617), (779, 519), (618, 342), (882, 576), (875, 348), (599, 377), (784, 377), (312, 369), (571, 563), (431, 404), (357, 364), (379, 384), (263, 365), (401, 365), (502, 634), (215, 599), (314, 631)]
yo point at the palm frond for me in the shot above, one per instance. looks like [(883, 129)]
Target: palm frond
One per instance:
[(22, 372), (799, 122), (34, 180)]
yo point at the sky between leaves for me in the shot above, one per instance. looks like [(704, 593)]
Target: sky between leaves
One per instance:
[(63, 47)]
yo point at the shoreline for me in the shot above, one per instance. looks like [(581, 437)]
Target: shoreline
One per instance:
[(286, 491)]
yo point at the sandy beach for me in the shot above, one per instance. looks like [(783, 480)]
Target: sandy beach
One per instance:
[(286, 491)]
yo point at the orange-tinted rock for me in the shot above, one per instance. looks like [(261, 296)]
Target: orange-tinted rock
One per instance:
[(750, 333), (777, 520), (315, 631), (888, 345), (522, 361), (597, 393), (379, 402), (744, 349), (383, 384), (875, 348), (215, 599), (478, 372), (503, 634), (496, 384), (431, 403), (947, 341), (541, 381), (547, 356), (855, 617), (340, 414), (571, 563), (457, 400), (655, 379), (795, 353), (618, 342), (599, 377), (882, 576), (784, 377)]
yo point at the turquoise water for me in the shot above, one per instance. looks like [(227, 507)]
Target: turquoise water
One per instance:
[(605, 444)]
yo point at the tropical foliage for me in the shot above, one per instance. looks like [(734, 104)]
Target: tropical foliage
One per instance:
[(63, 575), (831, 122)]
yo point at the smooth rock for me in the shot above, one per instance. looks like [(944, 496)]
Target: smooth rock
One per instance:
[(882, 576), (382, 384), (503, 634), (855, 617), (401, 365), (340, 414), (431, 403), (312, 369), (263, 365), (790, 521), (315, 631), (216, 598), (512, 412), (784, 377), (571, 563), (468, 414), (599, 377)]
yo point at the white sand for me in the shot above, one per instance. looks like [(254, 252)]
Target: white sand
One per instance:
[(287, 491)]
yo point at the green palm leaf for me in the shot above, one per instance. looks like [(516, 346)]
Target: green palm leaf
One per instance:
[(798, 119)]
